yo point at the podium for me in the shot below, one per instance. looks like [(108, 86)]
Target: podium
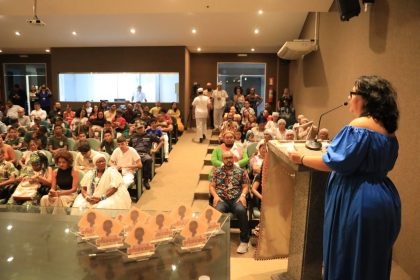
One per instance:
[(292, 217)]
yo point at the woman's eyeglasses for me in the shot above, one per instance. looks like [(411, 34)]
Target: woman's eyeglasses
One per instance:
[(354, 93)]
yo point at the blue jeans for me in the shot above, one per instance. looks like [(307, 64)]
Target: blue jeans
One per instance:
[(240, 212)]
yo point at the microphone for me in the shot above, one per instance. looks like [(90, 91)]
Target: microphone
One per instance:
[(314, 144)]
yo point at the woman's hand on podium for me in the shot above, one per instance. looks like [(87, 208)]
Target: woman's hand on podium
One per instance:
[(296, 157)]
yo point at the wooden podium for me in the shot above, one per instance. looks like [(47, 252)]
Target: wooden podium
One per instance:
[(299, 192)]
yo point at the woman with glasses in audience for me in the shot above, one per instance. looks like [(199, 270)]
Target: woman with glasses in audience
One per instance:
[(362, 206)]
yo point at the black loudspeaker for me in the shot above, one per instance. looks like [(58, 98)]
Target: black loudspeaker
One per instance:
[(348, 9)]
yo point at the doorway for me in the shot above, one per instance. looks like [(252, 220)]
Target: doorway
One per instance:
[(246, 75)]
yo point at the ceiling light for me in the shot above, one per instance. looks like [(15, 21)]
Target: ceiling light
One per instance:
[(194, 31), (47, 50), (199, 49), (74, 33), (256, 31), (252, 50), (132, 31), (1, 51), (17, 33), (260, 12)]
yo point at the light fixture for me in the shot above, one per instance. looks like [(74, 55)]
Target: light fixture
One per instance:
[(17, 33), (199, 49), (1, 51), (256, 31), (10, 259), (74, 33), (9, 227), (194, 31), (260, 12), (47, 50), (252, 50), (132, 31)]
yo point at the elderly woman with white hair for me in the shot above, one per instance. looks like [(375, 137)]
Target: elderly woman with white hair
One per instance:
[(102, 187), (290, 134), (280, 132), (272, 124), (257, 159)]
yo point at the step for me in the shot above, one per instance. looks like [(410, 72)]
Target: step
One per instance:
[(210, 148), (202, 190), (214, 140), (204, 173), (199, 205), (207, 160), (215, 132)]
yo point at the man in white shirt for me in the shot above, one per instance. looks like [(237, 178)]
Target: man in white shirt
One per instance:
[(219, 102), (139, 96), (24, 121), (201, 105), (38, 112), (12, 110), (84, 158), (126, 160)]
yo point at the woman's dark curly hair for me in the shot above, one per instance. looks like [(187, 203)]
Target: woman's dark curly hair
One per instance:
[(380, 101), (67, 156)]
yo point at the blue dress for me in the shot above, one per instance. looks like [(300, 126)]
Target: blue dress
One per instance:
[(362, 206)]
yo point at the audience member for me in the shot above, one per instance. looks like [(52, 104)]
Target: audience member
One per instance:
[(84, 158), (64, 182), (280, 132), (13, 139), (8, 174), (57, 142), (154, 111), (125, 159), (229, 188), (254, 100), (176, 113), (201, 107), (240, 156), (323, 134), (38, 112), (44, 97), (68, 114), (102, 188), (219, 96), (108, 145)]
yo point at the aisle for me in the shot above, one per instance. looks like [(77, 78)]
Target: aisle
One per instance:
[(176, 180)]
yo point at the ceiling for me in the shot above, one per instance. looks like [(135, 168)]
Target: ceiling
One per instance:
[(222, 25)]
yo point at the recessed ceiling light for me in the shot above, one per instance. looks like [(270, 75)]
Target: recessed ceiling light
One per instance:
[(74, 33), (132, 31), (1, 51), (256, 31), (260, 12), (47, 50), (199, 49), (252, 50), (194, 31), (17, 33)]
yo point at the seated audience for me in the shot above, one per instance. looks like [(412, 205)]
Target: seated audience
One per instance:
[(9, 153), (130, 115), (57, 142), (228, 125), (304, 130), (267, 136), (272, 124), (108, 145), (81, 139), (247, 107), (23, 120), (323, 134), (290, 134), (229, 188), (64, 182), (257, 160), (155, 110), (26, 155), (79, 119), (175, 112), (8, 174), (240, 156), (12, 139), (55, 112), (34, 176), (111, 113), (259, 130), (102, 188), (125, 159), (166, 127), (142, 142), (38, 112), (69, 114), (280, 132), (84, 158)]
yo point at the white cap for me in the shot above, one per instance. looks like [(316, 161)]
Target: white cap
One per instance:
[(200, 89), (219, 83)]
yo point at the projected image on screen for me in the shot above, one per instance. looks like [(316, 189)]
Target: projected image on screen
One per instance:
[(163, 87)]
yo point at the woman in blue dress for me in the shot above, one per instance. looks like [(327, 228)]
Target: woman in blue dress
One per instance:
[(362, 206)]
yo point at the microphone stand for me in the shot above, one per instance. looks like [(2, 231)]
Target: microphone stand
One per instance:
[(314, 144)]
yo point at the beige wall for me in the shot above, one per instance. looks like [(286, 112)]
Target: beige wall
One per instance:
[(384, 42)]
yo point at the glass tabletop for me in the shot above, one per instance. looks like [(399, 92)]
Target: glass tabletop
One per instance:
[(38, 246)]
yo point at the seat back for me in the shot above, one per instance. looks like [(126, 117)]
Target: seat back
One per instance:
[(94, 144), (71, 144), (18, 155), (251, 149)]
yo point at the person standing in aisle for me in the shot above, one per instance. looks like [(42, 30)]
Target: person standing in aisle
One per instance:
[(219, 103), (201, 105)]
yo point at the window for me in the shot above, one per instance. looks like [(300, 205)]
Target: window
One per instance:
[(163, 87)]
